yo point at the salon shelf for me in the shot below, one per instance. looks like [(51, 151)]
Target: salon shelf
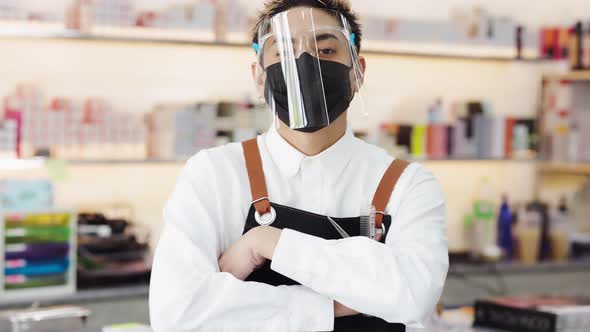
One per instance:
[(21, 164), (124, 162), (461, 269), (84, 296), (36, 163), (182, 161), (89, 37), (459, 160), (455, 270), (580, 75), (565, 168)]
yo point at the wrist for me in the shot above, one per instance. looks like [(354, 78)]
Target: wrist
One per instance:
[(341, 310), (264, 240)]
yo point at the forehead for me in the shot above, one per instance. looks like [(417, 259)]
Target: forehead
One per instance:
[(300, 18)]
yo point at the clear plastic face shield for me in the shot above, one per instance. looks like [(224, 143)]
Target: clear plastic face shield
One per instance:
[(309, 68)]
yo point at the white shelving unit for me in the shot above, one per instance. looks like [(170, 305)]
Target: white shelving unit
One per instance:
[(164, 37)]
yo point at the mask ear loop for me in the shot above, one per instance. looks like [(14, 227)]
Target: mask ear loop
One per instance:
[(358, 76), (256, 48)]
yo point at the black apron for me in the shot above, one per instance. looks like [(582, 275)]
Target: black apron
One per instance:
[(316, 225)]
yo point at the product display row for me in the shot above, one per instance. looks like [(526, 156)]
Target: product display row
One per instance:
[(177, 131), (475, 133), (32, 125), (478, 32), (528, 232)]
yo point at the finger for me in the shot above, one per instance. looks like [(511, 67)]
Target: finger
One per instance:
[(222, 264)]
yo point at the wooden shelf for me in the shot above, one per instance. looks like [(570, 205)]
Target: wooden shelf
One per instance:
[(461, 269), (21, 164), (577, 76), (509, 160), (565, 168), (89, 37), (125, 161), (36, 163), (116, 293)]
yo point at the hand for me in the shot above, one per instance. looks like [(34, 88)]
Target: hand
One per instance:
[(250, 251), (341, 310)]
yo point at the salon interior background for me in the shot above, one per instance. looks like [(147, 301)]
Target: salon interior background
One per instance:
[(135, 77)]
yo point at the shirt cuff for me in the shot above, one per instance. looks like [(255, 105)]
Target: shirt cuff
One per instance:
[(296, 256), (310, 311)]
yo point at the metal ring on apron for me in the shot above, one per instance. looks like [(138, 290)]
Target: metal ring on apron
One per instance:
[(383, 230), (267, 219)]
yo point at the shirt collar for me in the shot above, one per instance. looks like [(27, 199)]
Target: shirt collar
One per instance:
[(288, 159)]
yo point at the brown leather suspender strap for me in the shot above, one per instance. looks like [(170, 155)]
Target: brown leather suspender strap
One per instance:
[(260, 193), (385, 188), (256, 176)]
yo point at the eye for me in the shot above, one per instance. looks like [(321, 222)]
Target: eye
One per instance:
[(327, 51)]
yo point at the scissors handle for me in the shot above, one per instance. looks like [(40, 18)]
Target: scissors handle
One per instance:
[(338, 228)]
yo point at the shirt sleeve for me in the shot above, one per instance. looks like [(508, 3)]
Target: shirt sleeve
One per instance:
[(189, 293), (399, 281)]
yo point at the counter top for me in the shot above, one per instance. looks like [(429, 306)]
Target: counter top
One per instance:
[(456, 270), (518, 268), (83, 296)]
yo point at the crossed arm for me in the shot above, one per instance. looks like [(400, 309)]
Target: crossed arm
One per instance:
[(197, 285), (254, 249)]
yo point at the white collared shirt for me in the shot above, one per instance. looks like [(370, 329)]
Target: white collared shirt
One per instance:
[(399, 281)]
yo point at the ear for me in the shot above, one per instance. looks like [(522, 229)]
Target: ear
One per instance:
[(359, 81), (363, 63), (258, 78)]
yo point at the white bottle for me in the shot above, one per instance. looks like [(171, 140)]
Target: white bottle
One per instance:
[(574, 144), (485, 221)]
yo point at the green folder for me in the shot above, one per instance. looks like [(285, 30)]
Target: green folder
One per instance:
[(38, 235)]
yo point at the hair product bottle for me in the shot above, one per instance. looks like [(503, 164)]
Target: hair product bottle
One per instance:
[(575, 54), (505, 240), (586, 47)]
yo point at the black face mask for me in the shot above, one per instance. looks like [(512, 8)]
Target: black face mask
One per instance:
[(337, 88)]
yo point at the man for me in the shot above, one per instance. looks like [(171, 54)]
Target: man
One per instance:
[(305, 228)]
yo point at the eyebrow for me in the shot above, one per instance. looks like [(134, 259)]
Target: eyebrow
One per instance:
[(325, 36), (322, 37)]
